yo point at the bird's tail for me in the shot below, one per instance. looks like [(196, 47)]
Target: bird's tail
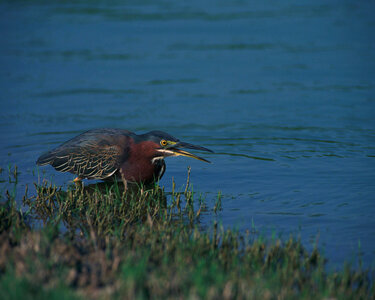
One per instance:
[(45, 159)]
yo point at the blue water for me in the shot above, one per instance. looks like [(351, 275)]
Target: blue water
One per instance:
[(283, 92)]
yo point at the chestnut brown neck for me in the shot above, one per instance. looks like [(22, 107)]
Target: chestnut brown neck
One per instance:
[(139, 167)]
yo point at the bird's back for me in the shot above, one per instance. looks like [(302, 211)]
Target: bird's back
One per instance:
[(95, 153)]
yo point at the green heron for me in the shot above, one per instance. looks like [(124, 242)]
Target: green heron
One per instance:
[(103, 153)]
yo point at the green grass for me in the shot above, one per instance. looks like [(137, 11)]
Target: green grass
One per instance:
[(99, 242), (17, 287)]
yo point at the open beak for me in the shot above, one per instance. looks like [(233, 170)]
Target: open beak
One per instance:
[(174, 150)]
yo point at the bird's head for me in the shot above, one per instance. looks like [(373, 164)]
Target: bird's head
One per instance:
[(167, 145)]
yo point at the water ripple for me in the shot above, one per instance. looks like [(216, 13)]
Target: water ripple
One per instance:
[(93, 91)]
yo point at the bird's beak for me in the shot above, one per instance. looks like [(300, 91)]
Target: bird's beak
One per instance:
[(173, 150)]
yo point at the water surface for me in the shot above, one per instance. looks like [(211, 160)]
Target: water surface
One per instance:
[(282, 92)]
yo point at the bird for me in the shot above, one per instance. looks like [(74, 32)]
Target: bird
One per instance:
[(108, 153)]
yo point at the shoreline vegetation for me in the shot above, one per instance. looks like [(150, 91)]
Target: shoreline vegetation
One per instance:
[(98, 242)]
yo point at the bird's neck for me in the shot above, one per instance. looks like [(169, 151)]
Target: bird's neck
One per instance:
[(142, 163), (156, 159), (143, 151)]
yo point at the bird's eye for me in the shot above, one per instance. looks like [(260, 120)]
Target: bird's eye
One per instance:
[(163, 143)]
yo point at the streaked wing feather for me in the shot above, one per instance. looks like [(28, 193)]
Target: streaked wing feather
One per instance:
[(95, 154), (89, 161)]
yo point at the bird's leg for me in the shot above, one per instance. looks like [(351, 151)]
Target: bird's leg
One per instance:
[(77, 179), (124, 182), (78, 182)]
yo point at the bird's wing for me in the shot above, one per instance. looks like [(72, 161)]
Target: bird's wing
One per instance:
[(89, 155)]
